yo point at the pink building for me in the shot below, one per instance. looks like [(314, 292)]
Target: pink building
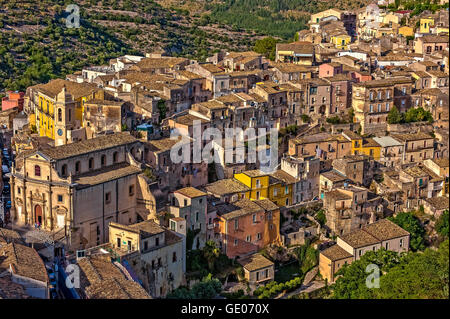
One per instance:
[(330, 69), (13, 99)]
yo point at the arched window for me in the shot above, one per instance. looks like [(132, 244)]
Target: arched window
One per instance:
[(37, 170), (77, 167), (70, 115), (103, 160), (91, 163), (59, 115), (115, 157), (64, 170)]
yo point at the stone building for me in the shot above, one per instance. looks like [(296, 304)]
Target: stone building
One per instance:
[(156, 254), (78, 187)]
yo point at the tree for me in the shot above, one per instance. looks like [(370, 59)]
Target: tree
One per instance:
[(442, 224), (206, 289), (411, 224), (211, 253), (267, 47), (321, 218), (409, 275), (394, 116), (352, 283)]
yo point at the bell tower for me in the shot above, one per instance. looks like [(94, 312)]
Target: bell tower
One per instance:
[(64, 116)]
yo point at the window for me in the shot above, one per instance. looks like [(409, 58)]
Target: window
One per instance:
[(196, 216), (387, 107), (131, 190), (118, 242), (77, 167), (64, 170), (370, 108), (275, 191), (248, 238), (287, 201), (59, 115), (145, 245), (387, 246), (235, 242), (91, 163), (174, 257), (258, 183), (254, 218), (157, 244), (60, 198), (236, 224), (259, 236), (257, 195), (18, 190), (37, 170), (103, 160), (360, 253), (108, 197)]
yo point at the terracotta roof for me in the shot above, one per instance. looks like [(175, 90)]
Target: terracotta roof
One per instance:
[(383, 82), (11, 290), (226, 186), (101, 279), (438, 202), (7, 235), (190, 192), (283, 176), (441, 162), (77, 90), (336, 252), (360, 238), (337, 195), (384, 229), (254, 173), (239, 208), (23, 260), (164, 62), (255, 262), (434, 38), (267, 204), (300, 47), (165, 144), (90, 145), (411, 137), (105, 174), (334, 176)]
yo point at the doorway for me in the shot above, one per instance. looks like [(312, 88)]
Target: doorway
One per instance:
[(38, 214)]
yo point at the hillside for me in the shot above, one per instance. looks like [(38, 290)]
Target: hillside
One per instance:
[(36, 45), (281, 18)]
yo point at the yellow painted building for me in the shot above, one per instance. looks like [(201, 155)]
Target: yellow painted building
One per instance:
[(53, 112), (406, 31), (363, 146), (277, 187), (341, 41), (425, 24)]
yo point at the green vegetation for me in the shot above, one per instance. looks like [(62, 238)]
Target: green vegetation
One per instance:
[(411, 224), (321, 218), (442, 227), (335, 120), (412, 275), (36, 46), (417, 6), (307, 256), (412, 115), (305, 118), (266, 47), (273, 288), (281, 18), (206, 289), (209, 255)]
